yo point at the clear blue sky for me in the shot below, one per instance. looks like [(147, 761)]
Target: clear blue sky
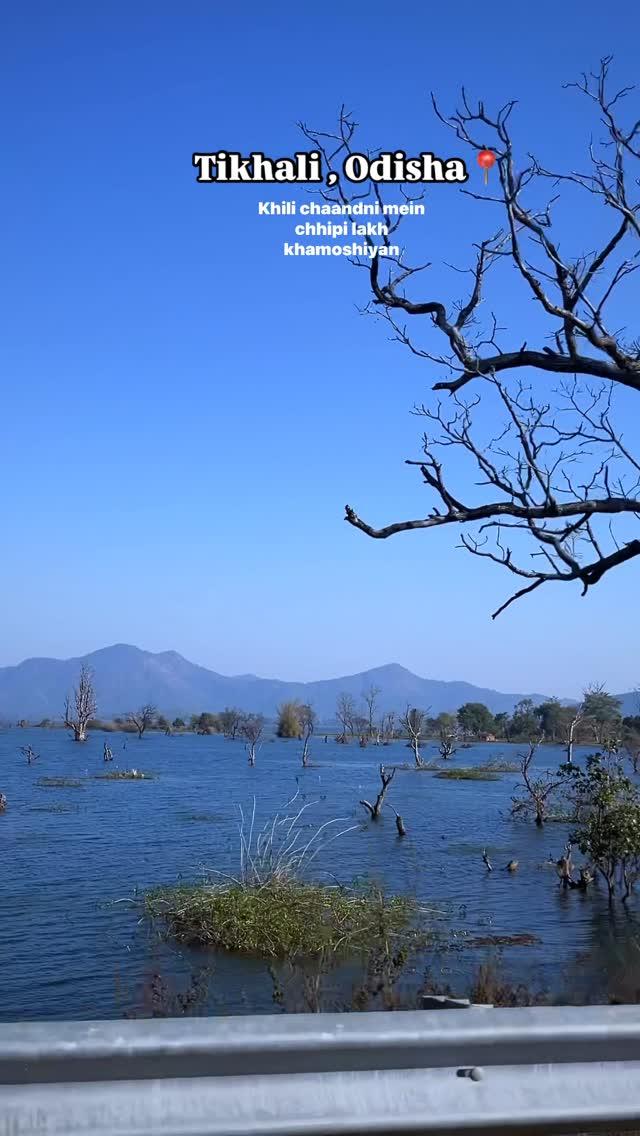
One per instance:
[(185, 412)]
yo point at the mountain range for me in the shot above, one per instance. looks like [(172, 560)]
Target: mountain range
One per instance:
[(126, 677)]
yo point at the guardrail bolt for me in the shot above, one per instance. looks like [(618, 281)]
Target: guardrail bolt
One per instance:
[(473, 1074)]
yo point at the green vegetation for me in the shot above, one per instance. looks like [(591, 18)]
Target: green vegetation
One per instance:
[(283, 919), (289, 724), (160, 998), (59, 783), (475, 718), (607, 829), (466, 774), (205, 723), (271, 909), (489, 988), (125, 775)]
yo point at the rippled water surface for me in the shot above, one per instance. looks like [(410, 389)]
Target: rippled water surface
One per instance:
[(70, 949)]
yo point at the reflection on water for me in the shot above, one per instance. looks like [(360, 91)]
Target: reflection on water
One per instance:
[(69, 939)]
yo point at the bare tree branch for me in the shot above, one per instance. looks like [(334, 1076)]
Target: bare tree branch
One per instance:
[(558, 470)]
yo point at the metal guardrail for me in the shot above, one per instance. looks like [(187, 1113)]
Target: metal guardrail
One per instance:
[(500, 1071)]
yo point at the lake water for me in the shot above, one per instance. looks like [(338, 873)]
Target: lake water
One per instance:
[(72, 858)]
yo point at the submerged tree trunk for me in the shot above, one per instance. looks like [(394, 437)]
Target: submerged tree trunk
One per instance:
[(400, 825), (415, 745), (376, 808)]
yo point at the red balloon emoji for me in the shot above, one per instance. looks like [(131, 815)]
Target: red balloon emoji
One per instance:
[(486, 159)]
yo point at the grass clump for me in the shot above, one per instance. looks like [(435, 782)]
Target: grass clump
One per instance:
[(426, 767), (461, 774), (53, 809), (125, 775), (498, 766), (284, 918), (490, 987), (59, 783), (271, 908), (523, 939)]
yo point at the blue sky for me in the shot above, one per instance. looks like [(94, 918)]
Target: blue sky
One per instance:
[(186, 412)]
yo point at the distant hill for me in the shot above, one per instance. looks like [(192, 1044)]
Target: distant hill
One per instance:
[(630, 703), (126, 677)]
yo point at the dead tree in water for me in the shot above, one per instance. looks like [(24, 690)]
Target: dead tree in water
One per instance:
[(346, 714), (307, 719), (564, 868), (143, 718), (370, 699), (413, 722), (29, 753), (537, 790), (77, 718), (388, 727), (400, 824), (252, 729), (571, 729), (3, 802), (447, 746), (376, 808)]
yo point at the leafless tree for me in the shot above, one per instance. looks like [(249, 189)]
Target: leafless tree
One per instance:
[(307, 719), (370, 698), (29, 753), (564, 867), (81, 708), (447, 735), (143, 718), (446, 746), (414, 721), (346, 715), (572, 726), (388, 727), (361, 728), (563, 488), (537, 791), (376, 808), (230, 722), (252, 729)]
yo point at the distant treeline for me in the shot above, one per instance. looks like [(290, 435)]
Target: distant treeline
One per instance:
[(597, 719)]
